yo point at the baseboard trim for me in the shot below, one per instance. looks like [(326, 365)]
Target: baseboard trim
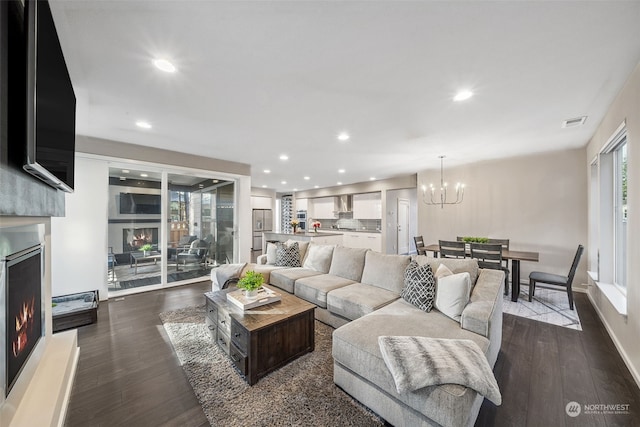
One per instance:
[(621, 351)]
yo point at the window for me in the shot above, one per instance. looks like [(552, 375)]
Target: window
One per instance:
[(620, 214), (608, 220)]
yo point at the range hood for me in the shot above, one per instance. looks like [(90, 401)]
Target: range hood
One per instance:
[(344, 203)]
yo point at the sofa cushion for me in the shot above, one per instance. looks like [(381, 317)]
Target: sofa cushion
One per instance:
[(348, 263), (358, 299), (319, 257), (285, 278), (419, 286), (385, 271), (288, 255), (452, 294), (360, 353), (315, 288), (263, 269), (455, 265)]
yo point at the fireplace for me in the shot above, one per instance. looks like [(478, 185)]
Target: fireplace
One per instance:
[(24, 322), (134, 238)]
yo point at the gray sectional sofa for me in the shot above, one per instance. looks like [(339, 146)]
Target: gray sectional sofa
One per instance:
[(358, 292)]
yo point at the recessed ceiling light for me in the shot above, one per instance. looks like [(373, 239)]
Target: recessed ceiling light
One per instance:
[(125, 170), (283, 182), (144, 175), (316, 186), (142, 124), (343, 136), (373, 178), (164, 65), (339, 183), (307, 178), (122, 178), (341, 170), (295, 189), (284, 157), (463, 95), (267, 171), (215, 181), (201, 185), (264, 186)]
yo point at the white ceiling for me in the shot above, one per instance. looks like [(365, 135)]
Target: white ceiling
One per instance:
[(262, 78)]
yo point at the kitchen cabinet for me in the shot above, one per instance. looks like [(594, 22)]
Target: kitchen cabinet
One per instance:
[(367, 206), (259, 202), (322, 208), (363, 240), (301, 204)]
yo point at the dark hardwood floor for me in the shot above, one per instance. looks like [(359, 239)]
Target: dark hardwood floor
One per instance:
[(128, 374)]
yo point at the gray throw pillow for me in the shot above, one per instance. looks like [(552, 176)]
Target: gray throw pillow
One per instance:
[(287, 255), (419, 286)]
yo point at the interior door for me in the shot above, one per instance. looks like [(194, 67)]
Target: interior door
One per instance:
[(403, 226)]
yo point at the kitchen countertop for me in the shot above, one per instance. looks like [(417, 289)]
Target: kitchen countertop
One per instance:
[(350, 231), (307, 234)]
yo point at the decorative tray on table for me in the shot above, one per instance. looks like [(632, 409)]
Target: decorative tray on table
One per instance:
[(265, 296)]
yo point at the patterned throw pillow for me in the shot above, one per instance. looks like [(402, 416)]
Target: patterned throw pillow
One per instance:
[(287, 256), (419, 286)]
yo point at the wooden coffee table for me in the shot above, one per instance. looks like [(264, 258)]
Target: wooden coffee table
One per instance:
[(262, 339)]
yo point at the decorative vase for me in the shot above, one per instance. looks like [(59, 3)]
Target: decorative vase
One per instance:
[(315, 230), (145, 253), (251, 294)]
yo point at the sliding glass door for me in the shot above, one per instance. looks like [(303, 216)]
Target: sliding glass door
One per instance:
[(199, 232)]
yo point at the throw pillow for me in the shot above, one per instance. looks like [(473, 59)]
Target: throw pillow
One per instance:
[(319, 257), (419, 286), (302, 248), (271, 253), (452, 294), (287, 256), (442, 271)]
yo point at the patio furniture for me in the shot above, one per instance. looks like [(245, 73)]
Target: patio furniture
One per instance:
[(556, 279), (197, 253)]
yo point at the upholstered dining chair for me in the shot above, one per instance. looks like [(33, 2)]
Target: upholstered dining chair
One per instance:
[(452, 249), (556, 279), (489, 255), (419, 242)]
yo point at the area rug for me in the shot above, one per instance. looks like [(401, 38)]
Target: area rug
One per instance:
[(548, 306), (300, 393)]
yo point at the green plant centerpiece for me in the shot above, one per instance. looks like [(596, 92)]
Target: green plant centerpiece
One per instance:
[(251, 282), (146, 248), (469, 239)]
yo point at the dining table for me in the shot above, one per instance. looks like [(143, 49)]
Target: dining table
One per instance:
[(514, 256)]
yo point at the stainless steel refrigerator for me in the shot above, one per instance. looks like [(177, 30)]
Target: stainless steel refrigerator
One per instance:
[(262, 221)]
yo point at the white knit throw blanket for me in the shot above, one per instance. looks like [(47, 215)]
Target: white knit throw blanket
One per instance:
[(417, 362)]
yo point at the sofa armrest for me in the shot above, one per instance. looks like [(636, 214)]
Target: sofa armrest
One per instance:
[(262, 259), (485, 304)]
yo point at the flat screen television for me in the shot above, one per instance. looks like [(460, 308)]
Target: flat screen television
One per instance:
[(132, 203), (51, 102)]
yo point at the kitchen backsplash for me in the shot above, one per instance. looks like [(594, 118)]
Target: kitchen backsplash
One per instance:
[(348, 224)]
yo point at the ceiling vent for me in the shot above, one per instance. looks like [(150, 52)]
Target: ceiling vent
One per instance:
[(576, 121)]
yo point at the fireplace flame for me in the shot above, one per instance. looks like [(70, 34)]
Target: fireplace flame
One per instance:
[(24, 323)]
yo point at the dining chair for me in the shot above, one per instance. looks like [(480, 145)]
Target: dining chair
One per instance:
[(505, 262), (451, 249), (419, 242), (556, 279), (489, 255)]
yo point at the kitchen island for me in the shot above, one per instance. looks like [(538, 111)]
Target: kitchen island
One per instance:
[(319, 238)]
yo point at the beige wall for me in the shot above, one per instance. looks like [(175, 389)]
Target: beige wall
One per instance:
[(539, 202), (624, 330)]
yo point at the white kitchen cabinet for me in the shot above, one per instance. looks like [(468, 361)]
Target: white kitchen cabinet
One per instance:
[(260, 202), (362, 240), (367, 206), (301, 204), (322, 208)]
